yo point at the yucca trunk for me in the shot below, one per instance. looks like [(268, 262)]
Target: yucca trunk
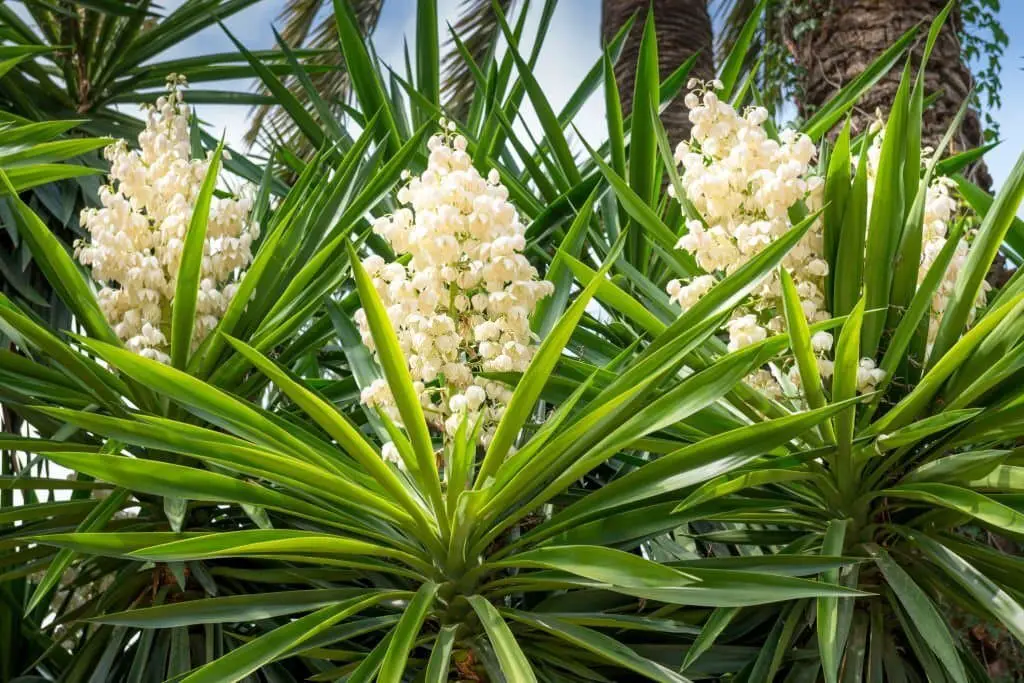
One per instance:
[(683, 28)]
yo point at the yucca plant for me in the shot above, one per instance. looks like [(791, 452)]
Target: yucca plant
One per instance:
[(89, 65), (41, 369), (438, 571), (292, 329), (893, 481), (380, 540)]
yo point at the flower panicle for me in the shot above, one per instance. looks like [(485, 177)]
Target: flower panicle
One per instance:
[(137, 234), (744, 185), (461, 304)]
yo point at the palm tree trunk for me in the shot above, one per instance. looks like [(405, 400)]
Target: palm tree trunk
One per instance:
[(683, 27), (849, 34)]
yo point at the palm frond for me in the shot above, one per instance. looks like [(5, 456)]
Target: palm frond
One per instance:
[(298, 19), (478, 29)]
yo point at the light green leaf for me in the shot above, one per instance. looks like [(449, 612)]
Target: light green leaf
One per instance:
[(730, 70), (924, 616), (965, 501), (713, 627), (605, 647), (514, 664), (405, 632), (848, 96), (922, 429), (606, 565), (259, 652), (61, 272), (532, 382), (800, 342), (230, 609), (727, 485), (828, 608), (183, 306), (440, 656), (989, 596), (96, 519), (340, 428), (971, 468), (933, 379), (393, 362), (886, 219), (984, 247)]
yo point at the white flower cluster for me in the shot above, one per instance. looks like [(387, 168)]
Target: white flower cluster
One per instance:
[(137, 236), (743, 184), (868, 374), (940, 210), (462, 303)]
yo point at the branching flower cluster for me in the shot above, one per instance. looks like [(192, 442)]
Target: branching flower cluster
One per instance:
[(744, 184), (940, 210), (137, 235), (461, 304)]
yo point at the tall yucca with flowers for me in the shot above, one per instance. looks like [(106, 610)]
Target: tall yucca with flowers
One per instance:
[(171, 256), (422, 554), (434, 526), (932, 449)]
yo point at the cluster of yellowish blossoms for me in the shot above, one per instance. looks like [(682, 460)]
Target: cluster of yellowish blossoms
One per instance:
[(137, 235), (744, 184), (461, 305), (940, 208)]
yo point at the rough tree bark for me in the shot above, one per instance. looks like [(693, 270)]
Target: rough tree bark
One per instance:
[(683, 27), (851, 33)]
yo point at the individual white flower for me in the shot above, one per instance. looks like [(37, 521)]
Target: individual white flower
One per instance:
[(457, 403), (689, 294), (137, 235), (461, 305), (821, 342), (744, 331), (868, 375), (389, 453)]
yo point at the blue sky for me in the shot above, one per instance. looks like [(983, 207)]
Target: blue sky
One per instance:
[(1011, 127), (570, 50)]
